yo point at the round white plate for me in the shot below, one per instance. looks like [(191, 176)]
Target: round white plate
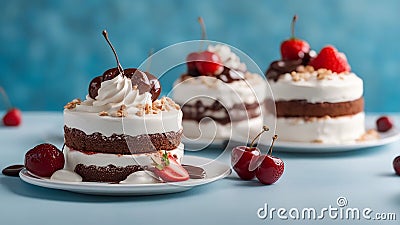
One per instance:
[(301, 147), (215, 170), (200, 143)]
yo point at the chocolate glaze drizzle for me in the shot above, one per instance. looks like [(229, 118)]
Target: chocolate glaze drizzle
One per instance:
[(227, 75), (280, 67), (195, 172), (13, 170), (197, 111)]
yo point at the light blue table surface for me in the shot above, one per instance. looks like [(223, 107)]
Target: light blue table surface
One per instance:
[(365, 177)]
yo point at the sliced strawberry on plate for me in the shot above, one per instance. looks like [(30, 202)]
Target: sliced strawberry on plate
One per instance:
[(168, 169)]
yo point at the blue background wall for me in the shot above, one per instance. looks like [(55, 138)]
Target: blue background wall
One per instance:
[(50, 50)]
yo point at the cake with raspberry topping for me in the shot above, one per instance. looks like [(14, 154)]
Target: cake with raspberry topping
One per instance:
[(318, 98), (123, 127), (218, 94)]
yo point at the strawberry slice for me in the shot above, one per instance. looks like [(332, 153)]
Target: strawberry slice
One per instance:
[(169, 170)]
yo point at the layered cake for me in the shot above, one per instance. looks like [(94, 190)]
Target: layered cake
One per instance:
[(121, 127), (317, 97), (218, 94)]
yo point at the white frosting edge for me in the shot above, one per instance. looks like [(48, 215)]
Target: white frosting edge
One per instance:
[(73, 158), (334, 130), (89, 123), (338, 88)]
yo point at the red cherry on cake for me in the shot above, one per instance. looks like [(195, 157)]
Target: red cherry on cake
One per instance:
[(294, 48), (271, 167), (330, 58), (13, 117), (169, 170), (205, 62), (244, 159), (396, 165), (384, 123), (44, 159)]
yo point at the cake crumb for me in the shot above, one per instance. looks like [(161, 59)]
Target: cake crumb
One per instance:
[(139, 113), (317, 141), (103, 113), (369, 135), (72, 104)]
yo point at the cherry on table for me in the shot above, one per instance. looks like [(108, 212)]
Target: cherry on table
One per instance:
[(396, 165), (244, 159), (271, 167), (13, 117)]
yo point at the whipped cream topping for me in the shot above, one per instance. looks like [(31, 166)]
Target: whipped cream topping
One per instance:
[(112, 95), (74, 157), (228, 58)]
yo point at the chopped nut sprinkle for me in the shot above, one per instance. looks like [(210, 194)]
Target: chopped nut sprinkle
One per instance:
[(73, 103), (103, 113)]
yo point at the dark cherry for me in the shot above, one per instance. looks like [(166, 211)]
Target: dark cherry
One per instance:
[(145, 81), (271, 168), (244, 160), (110, 74), (94, 86), (384, 123), (396, 165)]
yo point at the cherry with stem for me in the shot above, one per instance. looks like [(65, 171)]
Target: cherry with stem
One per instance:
[(105, 34)]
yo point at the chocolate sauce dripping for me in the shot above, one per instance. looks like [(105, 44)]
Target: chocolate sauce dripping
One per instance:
[(280, 67)]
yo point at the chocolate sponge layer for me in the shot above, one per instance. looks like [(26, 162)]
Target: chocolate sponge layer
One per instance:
[(302, 108), (108, 173), (121, 143)]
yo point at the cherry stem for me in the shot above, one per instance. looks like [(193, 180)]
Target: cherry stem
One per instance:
[(203, 31), (272, 144), (293, 24), (5, 98), (151, 51), (265, 128), (105, 34)]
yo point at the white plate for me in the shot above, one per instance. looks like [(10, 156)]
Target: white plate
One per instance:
[(199, 143), (287, 146), (215, 170)]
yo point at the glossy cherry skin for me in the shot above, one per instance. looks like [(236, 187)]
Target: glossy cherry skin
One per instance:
[(294, 48), (206, 62), (396, 165), (13, 117), (270, 169), (384, 124), (244, 161), (44, 159)]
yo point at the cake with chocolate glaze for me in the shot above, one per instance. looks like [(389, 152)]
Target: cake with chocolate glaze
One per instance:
[(317, 97), (122, 127), (218, 86)]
